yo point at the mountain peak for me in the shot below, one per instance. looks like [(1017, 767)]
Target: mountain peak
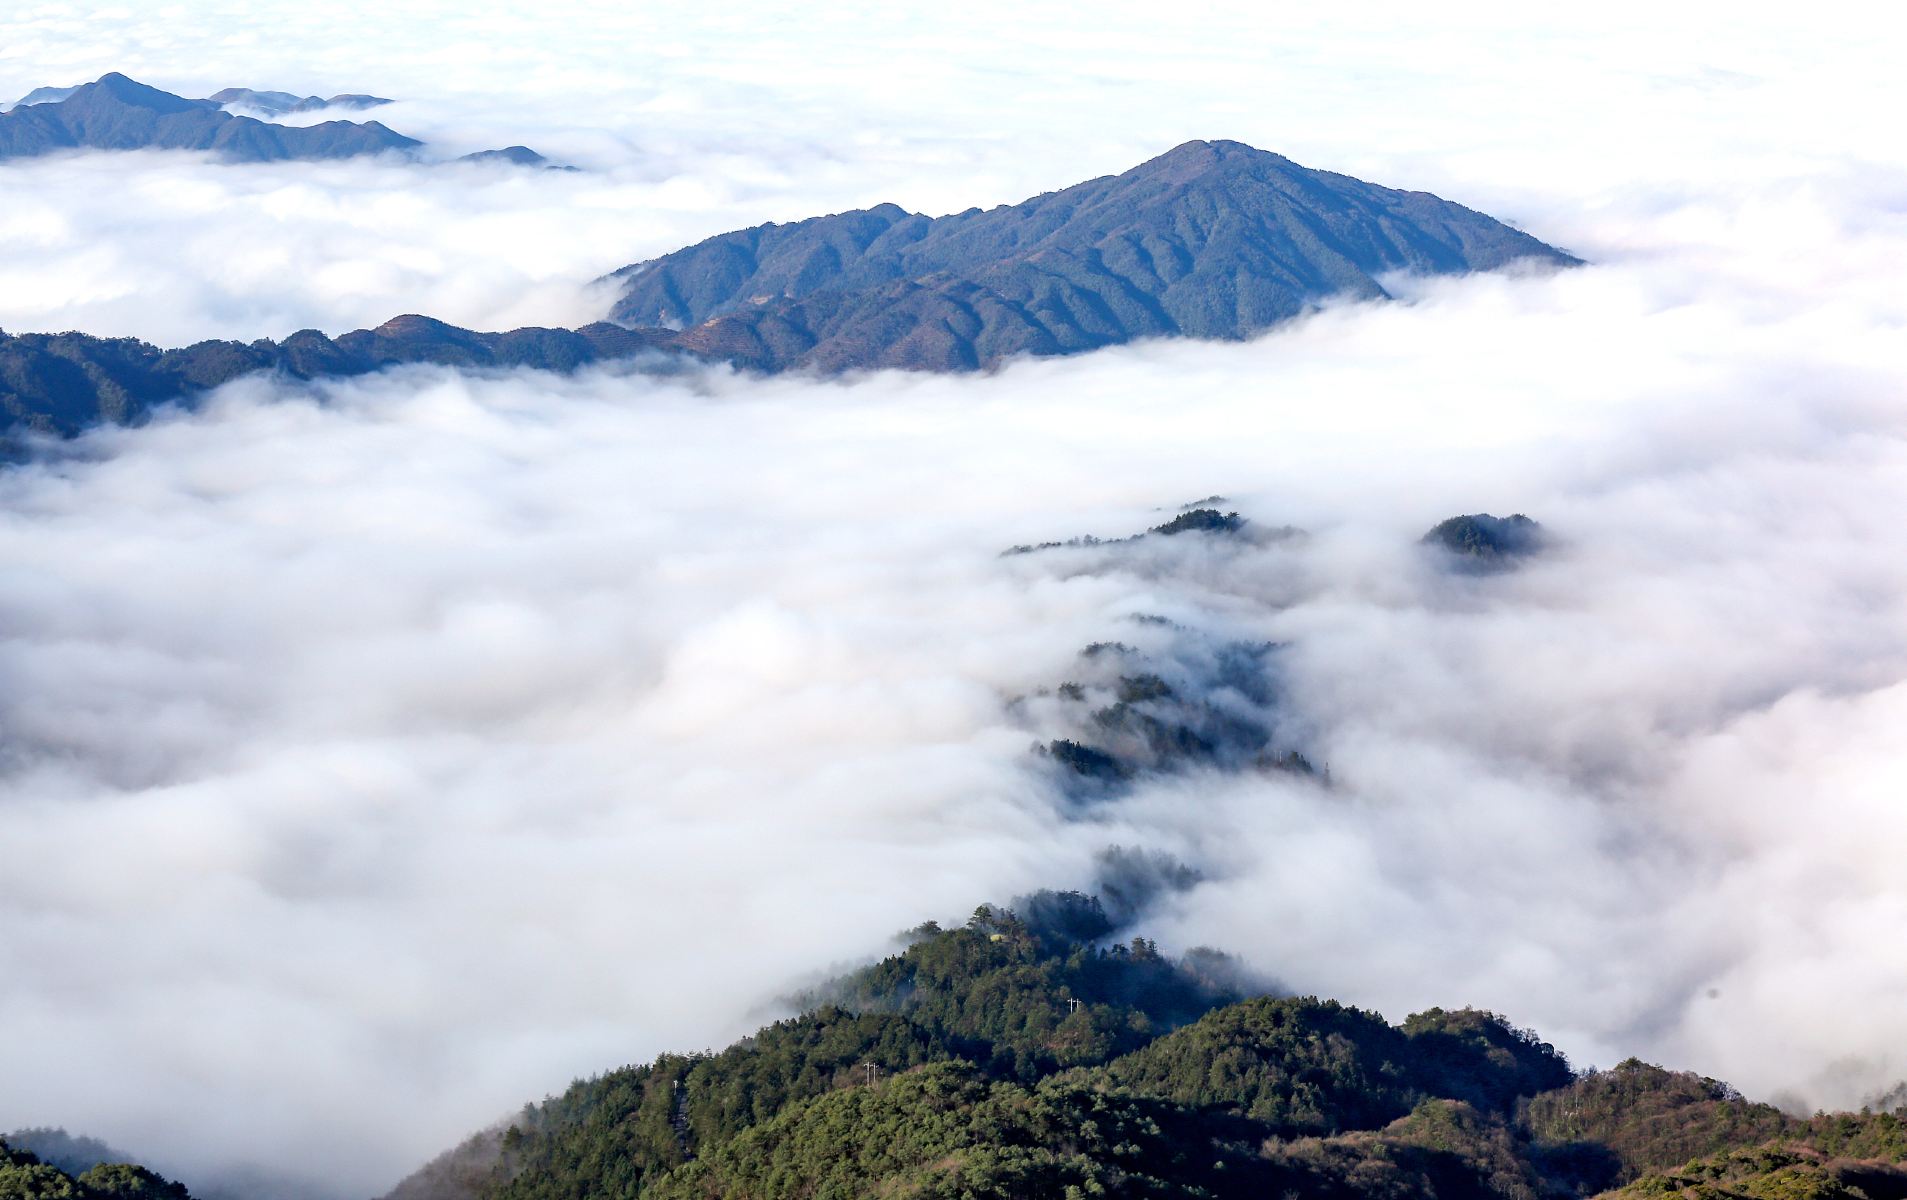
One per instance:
[(1208, 150), (1196, 157), (1213, 239), (518, 156), (1197, 152), (413, 325), (129, 91)]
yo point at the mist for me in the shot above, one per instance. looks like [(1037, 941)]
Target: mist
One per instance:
[(378, 755), (396, 749)]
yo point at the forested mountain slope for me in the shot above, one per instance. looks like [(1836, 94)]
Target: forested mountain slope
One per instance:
[(1037, 1052), (1211, 240), (25, 1176), (1032, 1053)]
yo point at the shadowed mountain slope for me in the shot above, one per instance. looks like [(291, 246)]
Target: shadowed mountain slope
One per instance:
[(1212, 240)]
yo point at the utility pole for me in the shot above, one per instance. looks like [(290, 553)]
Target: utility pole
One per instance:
[(871, 1072), (1072, 1004)]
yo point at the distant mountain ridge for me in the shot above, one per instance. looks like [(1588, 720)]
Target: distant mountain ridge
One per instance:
[(64, 383), (282, 103), (271, 103), (118, 113), (1211, 240), (42, 95)]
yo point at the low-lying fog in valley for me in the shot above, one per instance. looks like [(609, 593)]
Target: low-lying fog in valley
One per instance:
[(377, 755)]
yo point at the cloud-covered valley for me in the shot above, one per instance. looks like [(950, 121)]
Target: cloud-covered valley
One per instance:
[(378, 755)]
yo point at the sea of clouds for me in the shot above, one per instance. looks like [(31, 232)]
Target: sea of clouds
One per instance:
[(378, 755)]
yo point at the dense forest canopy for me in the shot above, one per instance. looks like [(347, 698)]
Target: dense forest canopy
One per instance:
[(24, 1176), (1040, 1050)]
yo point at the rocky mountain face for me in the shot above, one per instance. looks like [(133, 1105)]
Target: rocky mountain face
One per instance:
[(1212, 240)]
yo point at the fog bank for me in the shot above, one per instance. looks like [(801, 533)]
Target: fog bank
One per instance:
[(379, 754)]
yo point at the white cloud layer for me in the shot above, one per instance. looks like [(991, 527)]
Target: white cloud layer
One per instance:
[(378, 755), (375, 765)]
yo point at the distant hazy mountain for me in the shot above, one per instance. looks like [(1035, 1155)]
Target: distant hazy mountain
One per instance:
[(117, 113), (516, 156), (44, 95), (271, 103), (279, 104), (73, 1154), (1214, 239)]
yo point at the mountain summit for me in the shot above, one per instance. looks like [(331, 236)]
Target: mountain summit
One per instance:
[(1211, 239)]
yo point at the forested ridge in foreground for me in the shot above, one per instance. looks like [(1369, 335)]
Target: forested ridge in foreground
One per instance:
[(1030, 1053)]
